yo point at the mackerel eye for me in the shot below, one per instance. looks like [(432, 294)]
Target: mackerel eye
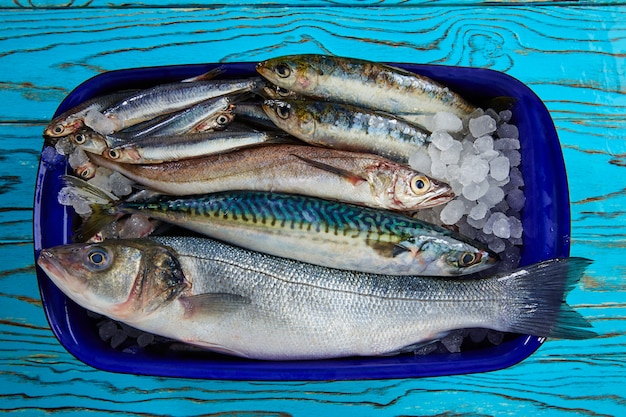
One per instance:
[(114, 154), (283, 112), (98, 258), (468, 259), (282, 70), (420, 184)]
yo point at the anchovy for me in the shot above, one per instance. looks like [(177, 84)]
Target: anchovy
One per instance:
[(166, 98), (346, 127), (91, 141), (157, 149), (306, 229), (253, 305), (350, 177), (362, 83)]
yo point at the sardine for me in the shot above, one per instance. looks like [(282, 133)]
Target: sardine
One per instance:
[(91, 141), (363, 83), (350, 177), (157, 149), (306, 229), (346, 127), (253, 305), (166, 98)]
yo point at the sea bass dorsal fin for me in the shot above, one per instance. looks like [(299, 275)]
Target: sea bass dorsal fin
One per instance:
[(353, 178), (213, 303)]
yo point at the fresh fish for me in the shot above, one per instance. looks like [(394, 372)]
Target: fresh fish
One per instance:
[(208, 115), (363, 83), (163, 99), (157, 149), (350, 177), (306, 229), (73, 119), (91, 141), (346, 127), (253, 305), (253, 113)]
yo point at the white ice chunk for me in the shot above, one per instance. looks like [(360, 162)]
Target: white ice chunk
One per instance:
[(64, 146), (441, 139), (452, 212), (78, 158), (474, 191), (483, 144), (482, 125), (447, 121), (505, 144), (493, 196), (479, 211), (516, 227), (99, 122), (505, 115), (473, 168), (501, 228), (499, 168), (497, 245), (453, 154), (420, 161), (516, 199), (120, 185), (506, 130), (438, 169)]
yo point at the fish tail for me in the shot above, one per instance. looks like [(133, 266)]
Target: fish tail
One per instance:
[(537, 299), (102, 204)]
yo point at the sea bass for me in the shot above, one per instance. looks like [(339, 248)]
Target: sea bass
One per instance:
[(253, 305), (363, 83), (350, 177), (306, 229), (350, 128)]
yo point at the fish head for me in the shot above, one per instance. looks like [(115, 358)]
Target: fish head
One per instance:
[(89, 140), (123, 279), (86, 170), (292, 116), (402, 188), (62, 126), (123, 153), (447, 255), (291, 72), (218, 121)]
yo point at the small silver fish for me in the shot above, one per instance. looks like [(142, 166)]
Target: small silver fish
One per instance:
[(252, 305)]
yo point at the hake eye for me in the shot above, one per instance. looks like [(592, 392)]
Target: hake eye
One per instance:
[(98, 258), (420, 184), (283, 70), (468, 259)]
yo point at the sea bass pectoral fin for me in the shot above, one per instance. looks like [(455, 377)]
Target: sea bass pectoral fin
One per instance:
[(351, 177), (213, 303)]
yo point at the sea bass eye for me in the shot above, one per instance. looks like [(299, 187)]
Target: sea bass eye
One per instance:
[(282, 70), (98, 258), (420, 184)]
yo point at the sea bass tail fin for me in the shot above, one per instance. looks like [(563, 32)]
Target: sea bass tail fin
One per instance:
[(537, 304)]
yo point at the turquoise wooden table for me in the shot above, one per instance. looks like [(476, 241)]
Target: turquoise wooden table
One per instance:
[(571, 54)]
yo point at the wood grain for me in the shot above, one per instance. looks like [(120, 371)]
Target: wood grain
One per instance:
[(572, 57)]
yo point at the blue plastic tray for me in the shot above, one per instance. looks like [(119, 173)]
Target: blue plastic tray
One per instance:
[(546, 220)]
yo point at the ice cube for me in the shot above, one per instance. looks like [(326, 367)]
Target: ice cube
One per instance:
[(420, 161), (505, 115), (482, 125), (453, 154), (479, 211), (447, 121), (516, 228), (441, 139), (483, 144), (453, 341), (77, 158), (452, 212), (473, 169), (516, 199), (99, 122), (501, 228), (514, 157), (499, 168), (493, 196), (506, 130), (505, 144), (64, 146), (474, 191), (497, 245)]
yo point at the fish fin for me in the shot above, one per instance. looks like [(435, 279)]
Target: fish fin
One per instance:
[(209, 75), (501, 103), (351, 177), (539, 307), (89, 192), (213, 303)]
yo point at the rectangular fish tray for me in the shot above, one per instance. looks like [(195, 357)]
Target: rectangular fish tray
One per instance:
[(546, 221)]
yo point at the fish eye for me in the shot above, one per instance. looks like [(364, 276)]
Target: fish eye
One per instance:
[(283, 111), (468, 259), (79, 138), (114, 153), (420, 184), (58, 129), (98, 258), (222, 120), (87, 173), (283, 70)]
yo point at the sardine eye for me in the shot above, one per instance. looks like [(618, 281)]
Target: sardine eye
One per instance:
[(283, 70), (468, 259), (420, 184), (58, 129), (98, 258), (283, 112), (222, 120), (114, 153), (87, 172)]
